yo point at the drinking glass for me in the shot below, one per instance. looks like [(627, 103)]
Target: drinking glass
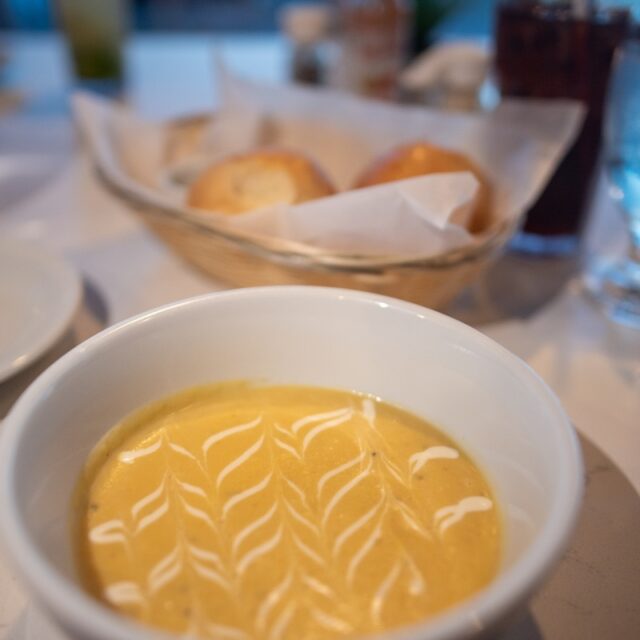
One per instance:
[(94, 31), (558, 50), (616, 285)]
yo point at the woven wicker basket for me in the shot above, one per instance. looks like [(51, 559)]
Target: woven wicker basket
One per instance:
[(231, 257)]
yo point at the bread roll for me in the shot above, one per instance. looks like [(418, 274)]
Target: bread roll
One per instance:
[(258, 179), (420, 158)]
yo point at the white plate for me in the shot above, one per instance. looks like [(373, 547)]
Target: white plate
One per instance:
[(39, 294)]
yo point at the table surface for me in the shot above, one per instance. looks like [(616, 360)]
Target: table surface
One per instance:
[(48, 194)]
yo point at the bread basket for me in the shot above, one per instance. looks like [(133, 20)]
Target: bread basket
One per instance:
[(232, 257)]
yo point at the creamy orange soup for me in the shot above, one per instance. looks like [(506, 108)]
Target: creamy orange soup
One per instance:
[(236, 511)]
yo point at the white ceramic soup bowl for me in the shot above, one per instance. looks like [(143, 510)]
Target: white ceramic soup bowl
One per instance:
[(489, 401)]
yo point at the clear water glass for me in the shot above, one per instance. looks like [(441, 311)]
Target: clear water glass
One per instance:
[(616, 285)]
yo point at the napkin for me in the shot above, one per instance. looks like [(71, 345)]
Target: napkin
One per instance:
[(518, 146)]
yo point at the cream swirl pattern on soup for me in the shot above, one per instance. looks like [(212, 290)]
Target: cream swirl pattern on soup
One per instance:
[(235, 511)]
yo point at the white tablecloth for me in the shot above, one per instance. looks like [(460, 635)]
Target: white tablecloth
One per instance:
[(592, 365)]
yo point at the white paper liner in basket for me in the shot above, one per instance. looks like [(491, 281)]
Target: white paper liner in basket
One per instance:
[(517, 146)]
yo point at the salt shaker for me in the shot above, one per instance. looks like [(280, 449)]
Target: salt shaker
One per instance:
[(307, 27)]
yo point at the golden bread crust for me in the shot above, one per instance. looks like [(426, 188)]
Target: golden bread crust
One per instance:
[(257, 179), (421, 158)]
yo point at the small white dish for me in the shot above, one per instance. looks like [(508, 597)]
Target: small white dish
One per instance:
[(39, 293)]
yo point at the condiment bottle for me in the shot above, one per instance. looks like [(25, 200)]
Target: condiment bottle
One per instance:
[(375, 39)]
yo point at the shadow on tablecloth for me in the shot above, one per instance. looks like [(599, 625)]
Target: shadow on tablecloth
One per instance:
[(514, 287)]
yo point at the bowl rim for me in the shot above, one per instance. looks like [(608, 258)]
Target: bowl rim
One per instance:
[(69, 603)]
